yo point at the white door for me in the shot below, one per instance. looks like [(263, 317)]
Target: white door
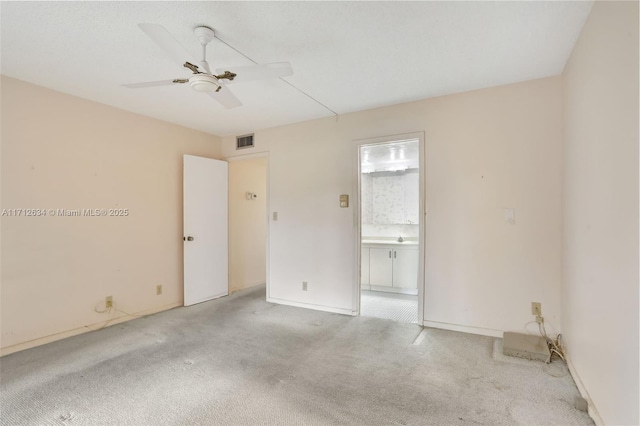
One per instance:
[(205, 202)]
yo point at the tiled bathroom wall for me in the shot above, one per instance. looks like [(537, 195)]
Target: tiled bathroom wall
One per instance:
[(390, 203)]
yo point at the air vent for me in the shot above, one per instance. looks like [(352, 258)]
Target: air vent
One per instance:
[(245, 141)]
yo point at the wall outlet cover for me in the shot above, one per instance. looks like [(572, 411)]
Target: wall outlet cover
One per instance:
[(536, 309)]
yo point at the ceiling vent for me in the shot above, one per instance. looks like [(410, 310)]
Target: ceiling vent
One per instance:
[(245, 141)]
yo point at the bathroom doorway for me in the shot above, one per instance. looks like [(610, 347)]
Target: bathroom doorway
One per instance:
[(391, 230)]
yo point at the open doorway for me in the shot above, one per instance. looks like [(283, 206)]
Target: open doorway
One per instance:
[(247, 222), (390, 230)]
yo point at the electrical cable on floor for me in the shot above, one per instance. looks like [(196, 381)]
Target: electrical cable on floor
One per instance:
[(102, 326), (108, 310), (127, 313), (555, 346), (102, 311)]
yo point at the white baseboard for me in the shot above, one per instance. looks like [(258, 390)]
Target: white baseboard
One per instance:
[(81, 330), (591, 409), (464, 328), (246, 286), (311, 306)]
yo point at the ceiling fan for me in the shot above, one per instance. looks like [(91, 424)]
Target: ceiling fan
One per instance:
[(202, 79)]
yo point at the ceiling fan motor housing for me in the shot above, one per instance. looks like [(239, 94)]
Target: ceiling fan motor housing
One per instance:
[(204, 34), (203, 80), (204, 83)]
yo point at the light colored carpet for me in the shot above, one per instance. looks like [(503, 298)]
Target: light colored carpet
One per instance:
[(242, 361), (392, 306)]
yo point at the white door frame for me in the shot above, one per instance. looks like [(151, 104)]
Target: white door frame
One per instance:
[(264, 155), (422, 212)]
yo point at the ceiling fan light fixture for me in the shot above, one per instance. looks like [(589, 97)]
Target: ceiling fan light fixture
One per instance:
[(203, 80), (204, 83)]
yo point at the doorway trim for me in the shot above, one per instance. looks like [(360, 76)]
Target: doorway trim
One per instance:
[(422, 213), (253, 156)]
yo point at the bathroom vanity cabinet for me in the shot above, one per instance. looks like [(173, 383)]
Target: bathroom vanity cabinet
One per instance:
[(390, 267)]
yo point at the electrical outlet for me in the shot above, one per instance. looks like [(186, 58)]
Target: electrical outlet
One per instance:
[(304, 286), (158, 290), (108, 302), (536, 309)]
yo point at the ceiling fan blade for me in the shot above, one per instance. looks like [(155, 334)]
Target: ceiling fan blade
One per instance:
[(149, 84), (258, 72), (166, 42), (226, 97)]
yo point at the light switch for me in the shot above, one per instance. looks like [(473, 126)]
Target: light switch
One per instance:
[(510, 216), (344, 200), (275, 215)]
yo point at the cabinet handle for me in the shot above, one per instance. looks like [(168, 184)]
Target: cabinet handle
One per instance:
[(389, 254), (394, 254)]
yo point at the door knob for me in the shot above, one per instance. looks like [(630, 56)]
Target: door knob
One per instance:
[(189, 238)]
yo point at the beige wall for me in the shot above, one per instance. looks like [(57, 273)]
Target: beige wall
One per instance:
[(247, 223), (600, 283), (486, 150), (62, 152)]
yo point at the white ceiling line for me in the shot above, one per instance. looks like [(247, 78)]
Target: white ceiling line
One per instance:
[(289, 83), (310, 97)]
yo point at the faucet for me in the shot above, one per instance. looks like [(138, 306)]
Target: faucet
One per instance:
[(400, 239)]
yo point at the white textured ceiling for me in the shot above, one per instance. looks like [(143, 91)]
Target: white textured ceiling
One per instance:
[(349, 56)]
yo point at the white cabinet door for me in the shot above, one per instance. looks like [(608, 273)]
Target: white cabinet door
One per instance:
[(364, 265), (380, 266), (405, 268)]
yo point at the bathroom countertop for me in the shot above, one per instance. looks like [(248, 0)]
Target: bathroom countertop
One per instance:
[(390, 241)]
